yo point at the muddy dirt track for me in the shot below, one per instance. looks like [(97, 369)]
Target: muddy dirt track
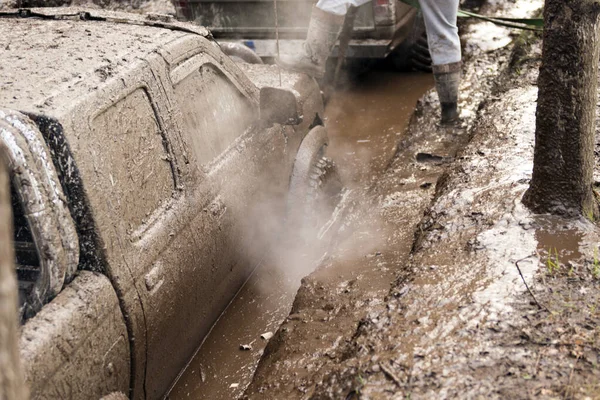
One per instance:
[(422, 292)]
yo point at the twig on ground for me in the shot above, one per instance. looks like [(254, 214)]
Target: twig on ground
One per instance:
[(537, 362), (527, 286), (388, 371), (569, 388)]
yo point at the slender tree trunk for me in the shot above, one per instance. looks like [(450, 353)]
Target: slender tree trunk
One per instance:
[(565, 120), (11, 378)]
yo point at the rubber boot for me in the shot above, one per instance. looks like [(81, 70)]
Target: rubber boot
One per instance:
[(323, 31), (447, 78)]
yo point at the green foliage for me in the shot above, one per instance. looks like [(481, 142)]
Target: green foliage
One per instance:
[(589, 214), (552, 261)]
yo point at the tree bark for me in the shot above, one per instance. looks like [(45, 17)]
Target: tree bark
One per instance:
[(565, 120), (11, 378)]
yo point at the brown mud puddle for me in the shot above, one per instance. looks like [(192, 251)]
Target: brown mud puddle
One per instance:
[(558, 246), (365, 122)]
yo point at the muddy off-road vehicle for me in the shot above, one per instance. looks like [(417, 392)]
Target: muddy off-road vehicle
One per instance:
[(141, 161), (382, 28)]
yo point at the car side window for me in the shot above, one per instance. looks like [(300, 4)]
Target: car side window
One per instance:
[(215, 112), (135, 156)]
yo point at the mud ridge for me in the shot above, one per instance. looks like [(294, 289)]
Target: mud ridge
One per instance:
[(461, 324)]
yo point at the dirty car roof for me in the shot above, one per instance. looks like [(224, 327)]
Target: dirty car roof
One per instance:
[(42, 57)]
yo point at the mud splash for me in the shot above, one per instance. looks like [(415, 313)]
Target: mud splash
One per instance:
[(364, 122)]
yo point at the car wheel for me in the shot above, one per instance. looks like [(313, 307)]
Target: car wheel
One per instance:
[(315, 187), (420, 58), (413, 54)]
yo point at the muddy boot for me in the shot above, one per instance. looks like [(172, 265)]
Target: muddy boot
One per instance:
[(447, 79), (323, 31)]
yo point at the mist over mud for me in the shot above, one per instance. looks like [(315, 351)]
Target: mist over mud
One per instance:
[(365, 118)]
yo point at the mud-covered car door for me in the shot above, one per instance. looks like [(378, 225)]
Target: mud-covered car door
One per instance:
[(229, 161), (246, 164), (138, 205)]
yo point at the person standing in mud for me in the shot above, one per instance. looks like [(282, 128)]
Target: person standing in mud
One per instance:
[(326, 24)]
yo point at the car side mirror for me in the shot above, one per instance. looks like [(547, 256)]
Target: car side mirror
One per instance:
[(279, 106)]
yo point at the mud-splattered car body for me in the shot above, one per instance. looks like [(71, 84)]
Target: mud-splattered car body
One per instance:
[(137, 155)]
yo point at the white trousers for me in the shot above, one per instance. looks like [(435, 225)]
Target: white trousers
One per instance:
[(440, 24)]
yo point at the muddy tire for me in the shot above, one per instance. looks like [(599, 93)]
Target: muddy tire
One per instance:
[(315, 187), (420, 58)]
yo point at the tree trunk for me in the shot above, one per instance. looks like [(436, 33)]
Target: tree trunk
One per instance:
[(565, 120), (11, 378)]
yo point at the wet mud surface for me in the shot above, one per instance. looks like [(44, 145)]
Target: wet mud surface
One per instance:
[(366, 121), (309, 355), (489, 301)]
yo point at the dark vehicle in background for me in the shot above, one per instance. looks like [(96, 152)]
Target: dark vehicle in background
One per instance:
[(382, 27), (138, 153)]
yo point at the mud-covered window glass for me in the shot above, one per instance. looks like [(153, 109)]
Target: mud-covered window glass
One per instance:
[(215, 112), (135, 160)]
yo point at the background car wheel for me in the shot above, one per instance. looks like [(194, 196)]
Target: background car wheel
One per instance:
[(352, 70), (419, 58), (315, 187), (413, 54)]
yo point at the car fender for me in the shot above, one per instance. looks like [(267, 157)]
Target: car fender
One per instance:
[(77, 346), (48, 216)]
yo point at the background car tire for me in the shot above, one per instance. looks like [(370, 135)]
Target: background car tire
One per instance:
[(413, 54), (315, 187), (419, 58)]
